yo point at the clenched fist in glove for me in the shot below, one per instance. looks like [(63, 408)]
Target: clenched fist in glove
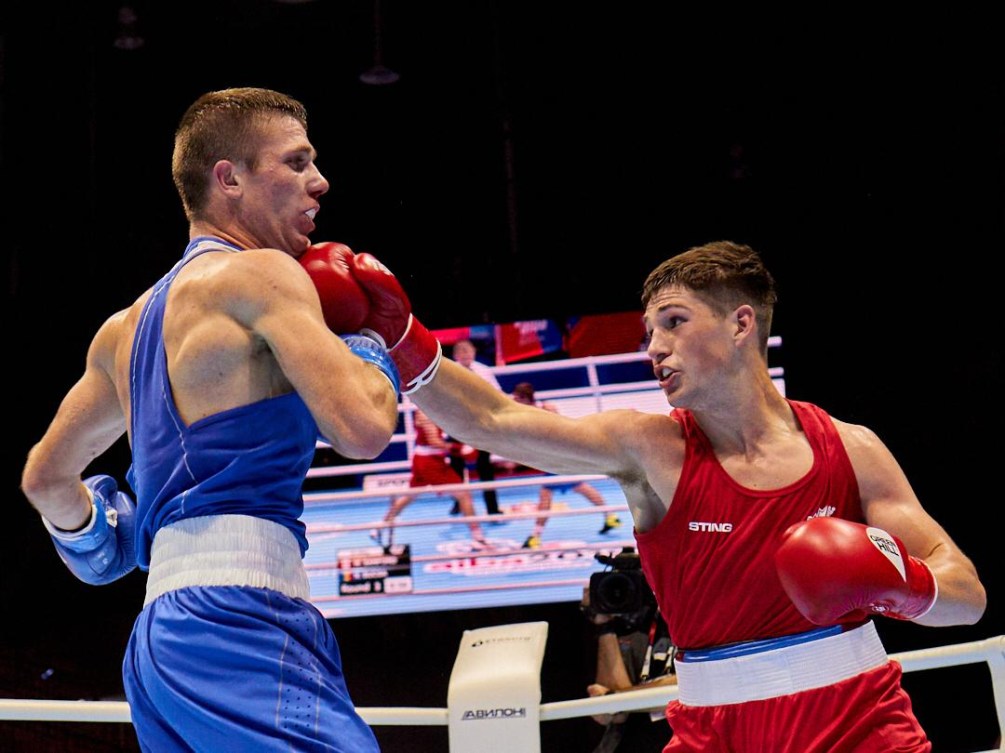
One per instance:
[(343, 302), (414, 349), (104, 549), (833, 569)]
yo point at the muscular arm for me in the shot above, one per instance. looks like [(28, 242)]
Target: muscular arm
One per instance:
[(469, 409), (889, 502), (643, 452), (351, 400), (89, 420)]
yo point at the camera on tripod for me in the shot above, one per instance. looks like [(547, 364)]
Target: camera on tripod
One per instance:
[(622, 590)]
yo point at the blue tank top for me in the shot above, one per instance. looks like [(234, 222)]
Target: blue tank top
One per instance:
[(249, 460)]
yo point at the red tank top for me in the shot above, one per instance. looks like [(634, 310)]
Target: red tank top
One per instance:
[(428, 437), (711, 559)]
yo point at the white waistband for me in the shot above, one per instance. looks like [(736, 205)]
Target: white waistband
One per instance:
[(429, 450), (226, 550), (781, 671)]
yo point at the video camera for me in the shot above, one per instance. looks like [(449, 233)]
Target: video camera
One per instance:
[(623, 590)]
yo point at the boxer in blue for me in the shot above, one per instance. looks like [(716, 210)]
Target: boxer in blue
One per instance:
[(223, 375)]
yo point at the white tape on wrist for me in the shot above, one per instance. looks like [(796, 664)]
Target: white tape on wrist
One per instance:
[(373, 336)]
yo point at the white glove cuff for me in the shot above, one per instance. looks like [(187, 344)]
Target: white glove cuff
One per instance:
[(373, 336)]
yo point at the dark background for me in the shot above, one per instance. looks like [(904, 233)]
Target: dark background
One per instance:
[(535, 160)]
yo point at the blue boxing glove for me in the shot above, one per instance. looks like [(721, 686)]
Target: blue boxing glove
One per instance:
[(374, 352), (104, 549)]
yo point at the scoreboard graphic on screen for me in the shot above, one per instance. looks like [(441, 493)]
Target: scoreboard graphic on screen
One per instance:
[(374, 570)]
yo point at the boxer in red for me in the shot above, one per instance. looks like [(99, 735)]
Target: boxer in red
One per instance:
[(770, 532), (431, 467)]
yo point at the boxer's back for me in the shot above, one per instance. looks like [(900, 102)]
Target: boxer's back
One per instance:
[(214, 360)]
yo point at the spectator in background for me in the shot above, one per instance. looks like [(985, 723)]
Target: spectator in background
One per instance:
[(464, 353), (524, 393)]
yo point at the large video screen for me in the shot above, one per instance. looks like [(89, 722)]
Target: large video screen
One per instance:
[(432, 563)]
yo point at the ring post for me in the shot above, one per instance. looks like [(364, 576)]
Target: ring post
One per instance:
[(494, 695)]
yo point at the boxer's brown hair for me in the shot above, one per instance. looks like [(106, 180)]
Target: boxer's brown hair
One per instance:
[(725, 275), (223, 124)]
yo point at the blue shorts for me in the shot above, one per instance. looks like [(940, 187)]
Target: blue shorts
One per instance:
[(215, 669)]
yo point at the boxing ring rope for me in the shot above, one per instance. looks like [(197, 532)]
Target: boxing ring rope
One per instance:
[(530, 479), (989, 650)]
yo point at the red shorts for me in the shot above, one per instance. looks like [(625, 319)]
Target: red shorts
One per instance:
[(868, 713), (433, 470)]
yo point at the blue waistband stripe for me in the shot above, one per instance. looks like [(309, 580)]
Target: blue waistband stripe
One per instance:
[(755, 647)]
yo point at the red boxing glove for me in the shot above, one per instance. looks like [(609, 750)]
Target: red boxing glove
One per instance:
[(833, 569), (343, 301), (415, 350)]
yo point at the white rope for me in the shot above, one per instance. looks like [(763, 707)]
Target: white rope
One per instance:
[(118, 711), (990, 650), (465, 486)]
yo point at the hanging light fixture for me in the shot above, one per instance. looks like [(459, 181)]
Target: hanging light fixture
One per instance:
[(379, 74), (128, 36)]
